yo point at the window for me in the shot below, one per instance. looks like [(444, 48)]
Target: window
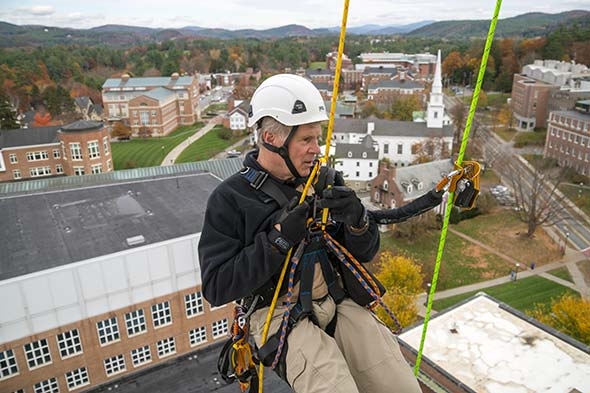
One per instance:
[(349, 154), (16, 174), (400, 148), (76, 151), (219, 328), (141, 356), (161, 314), (166, 347), (109, 165), (193, 303), (8, 365), (37, 155), (13, 159), (357, 174), (56, 153), (96, 168), (364, 154), (114, 365), (48, 386), (144, 117), (108, 330), (197, 336), (105, 145), (40, 171), (79, 170), (69, 343), (135, 322), (93, 149), (358, 163), (59, 169), (37, 353), (77, 378), (386, 148)]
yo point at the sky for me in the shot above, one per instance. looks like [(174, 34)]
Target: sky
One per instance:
[(263, 14)]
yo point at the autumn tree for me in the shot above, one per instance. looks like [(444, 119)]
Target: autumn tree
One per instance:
[(120, 131), (404, 106), (7, 115), (402, 278), (41, 119), (144, 132), (569, 314), (535, 191), (431, 149)]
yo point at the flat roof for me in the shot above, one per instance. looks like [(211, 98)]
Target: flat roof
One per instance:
[(48, 229), (493, 348)]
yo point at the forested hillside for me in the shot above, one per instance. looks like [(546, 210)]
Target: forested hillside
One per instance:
[(53, 75)]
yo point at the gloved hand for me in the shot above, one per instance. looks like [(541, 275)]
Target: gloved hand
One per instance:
[(344, 206), (291, 226)]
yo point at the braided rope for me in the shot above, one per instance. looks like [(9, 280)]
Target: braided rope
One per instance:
[(285, 322), (344, 256)]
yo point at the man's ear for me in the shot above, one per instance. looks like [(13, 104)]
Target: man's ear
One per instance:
[(268, 137)]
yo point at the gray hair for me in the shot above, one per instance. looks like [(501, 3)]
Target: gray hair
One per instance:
[(274, 127)]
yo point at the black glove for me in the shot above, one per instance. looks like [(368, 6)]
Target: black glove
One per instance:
[(293, 224), (344, 206)]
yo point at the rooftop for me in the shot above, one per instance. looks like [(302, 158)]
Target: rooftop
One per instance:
[(83, 220), (493, 348)]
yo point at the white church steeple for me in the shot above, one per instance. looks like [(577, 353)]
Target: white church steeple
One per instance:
[(436, 106)]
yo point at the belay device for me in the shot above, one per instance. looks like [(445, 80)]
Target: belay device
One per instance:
[(464, 183)]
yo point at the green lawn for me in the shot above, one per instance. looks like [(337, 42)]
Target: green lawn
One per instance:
[(521, 294), (563, 273), (580, 196), (506, 134), (535, 138), (147, 152), (207, 146)]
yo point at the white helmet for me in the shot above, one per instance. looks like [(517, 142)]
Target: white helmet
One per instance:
[(290, 99)]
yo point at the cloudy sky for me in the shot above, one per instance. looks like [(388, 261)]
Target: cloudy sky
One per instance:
[(261, 14)]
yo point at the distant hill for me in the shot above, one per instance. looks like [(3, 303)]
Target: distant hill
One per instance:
[(527, 25)]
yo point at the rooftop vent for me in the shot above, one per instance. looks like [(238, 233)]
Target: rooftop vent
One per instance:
[(135, 240)]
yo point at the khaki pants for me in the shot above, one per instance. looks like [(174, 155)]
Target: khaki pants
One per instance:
[(362, 357)]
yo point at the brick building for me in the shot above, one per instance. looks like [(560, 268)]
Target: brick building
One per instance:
[(568, 138), (158, 104), (529, 101), (79, 148), (103, 276)]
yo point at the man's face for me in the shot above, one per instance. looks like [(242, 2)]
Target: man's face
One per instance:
[(304, 147)]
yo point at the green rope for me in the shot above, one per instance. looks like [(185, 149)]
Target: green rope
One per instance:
[(443, 235)]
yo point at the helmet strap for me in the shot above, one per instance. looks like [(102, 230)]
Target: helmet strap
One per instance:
[(283, 151)]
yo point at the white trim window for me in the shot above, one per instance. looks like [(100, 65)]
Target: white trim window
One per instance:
[(56, 153), (59, 169), (114, 365), (13, 158), (77, 378), (40, 171), (48, 386), (93, 150), (78, 171), (166, 347), (16, 174), (8, 366), (69, 343), (197, 336), (37, 156), (108, 331), (161, 314), (219, 328), (96, 169), (193, 303), (76, 151), (140, 356), (37, 353), (109, 165), (135, 322), (105, 145)]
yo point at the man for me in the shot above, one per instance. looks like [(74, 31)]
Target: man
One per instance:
[(338, 345)]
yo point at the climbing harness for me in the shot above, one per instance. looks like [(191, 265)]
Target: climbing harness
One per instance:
[(463, 183)]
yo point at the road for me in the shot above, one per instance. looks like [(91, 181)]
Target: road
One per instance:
[(573, 225)]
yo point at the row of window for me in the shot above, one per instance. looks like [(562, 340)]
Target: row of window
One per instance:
[(75, 150), (59, 170), (574, 123), (37, 353), (570, 151), (570, 136), (70, 344)]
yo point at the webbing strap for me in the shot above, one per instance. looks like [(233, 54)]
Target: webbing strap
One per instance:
[(258, 181)]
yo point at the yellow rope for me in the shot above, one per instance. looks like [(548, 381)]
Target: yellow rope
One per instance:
[(308, 184), (443, 235)]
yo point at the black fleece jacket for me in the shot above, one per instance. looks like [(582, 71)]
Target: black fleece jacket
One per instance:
[(235, 254)]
